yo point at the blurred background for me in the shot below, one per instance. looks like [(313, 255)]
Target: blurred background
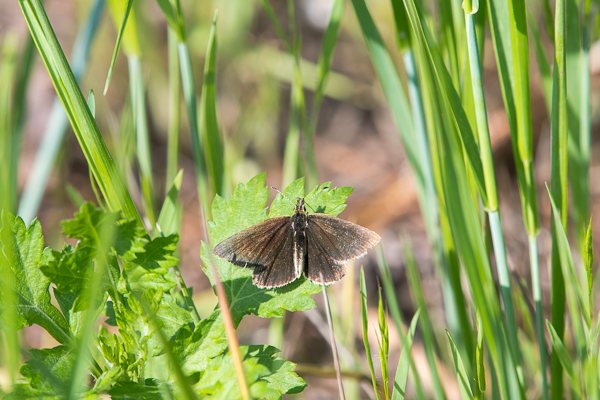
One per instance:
[(356, 141)]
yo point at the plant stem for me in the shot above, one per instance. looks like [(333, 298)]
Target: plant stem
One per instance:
[(336, 360)]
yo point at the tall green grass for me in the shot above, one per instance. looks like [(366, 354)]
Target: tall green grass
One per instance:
[(432, 79)]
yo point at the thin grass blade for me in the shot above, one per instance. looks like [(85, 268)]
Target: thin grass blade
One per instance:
[(100, 162)]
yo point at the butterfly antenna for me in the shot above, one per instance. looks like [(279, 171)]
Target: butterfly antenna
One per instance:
[(290, 200)]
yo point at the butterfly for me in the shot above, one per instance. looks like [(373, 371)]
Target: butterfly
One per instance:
[(281, 249)]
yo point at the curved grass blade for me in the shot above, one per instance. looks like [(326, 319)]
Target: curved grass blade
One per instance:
[(84, 126), (56, 127), (115, 52)]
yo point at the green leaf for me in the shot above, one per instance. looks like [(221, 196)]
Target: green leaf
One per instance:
[(246, 207), (147, 267), (149, 389), (21, 255), (48, 370), (269, 377)]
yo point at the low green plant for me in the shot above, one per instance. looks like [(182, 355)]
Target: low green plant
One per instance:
[(121, 320)]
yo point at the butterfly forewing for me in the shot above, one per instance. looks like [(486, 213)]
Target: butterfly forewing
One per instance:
[(268, 248), (343, 240)]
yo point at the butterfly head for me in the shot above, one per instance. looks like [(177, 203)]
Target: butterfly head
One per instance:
[(300, 206)]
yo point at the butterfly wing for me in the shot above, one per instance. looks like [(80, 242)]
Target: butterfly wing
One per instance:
[(331, 242), (268, 248)]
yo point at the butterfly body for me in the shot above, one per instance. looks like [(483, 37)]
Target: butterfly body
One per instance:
[(281, 249)]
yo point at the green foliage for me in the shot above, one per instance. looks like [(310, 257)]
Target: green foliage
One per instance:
[(139, 296), (21, 256)]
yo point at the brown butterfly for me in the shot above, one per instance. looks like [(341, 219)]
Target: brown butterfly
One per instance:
[(280, 249)]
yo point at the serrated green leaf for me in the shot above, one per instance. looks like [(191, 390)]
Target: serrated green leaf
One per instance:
[(67, 269), (149, 389), (21, 255), (147, 267), (269, 377), (48, 370), (247, 207)]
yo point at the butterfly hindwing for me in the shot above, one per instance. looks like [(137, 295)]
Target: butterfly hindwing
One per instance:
[(320, 267), (331, 242), (282, 268)]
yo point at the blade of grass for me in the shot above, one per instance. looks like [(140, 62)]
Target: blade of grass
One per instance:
[(487, 162), (92, 295), (169, 219), (142, 136), (384, 345), (169, 223), (189, 94), (430, 343), (458, 319), (119, 9), (365, 331), (559, 185), (577, 69), (461, 373), (292, 161), (174, 110), (512, 57), (469, 238), (125, 16), (84, 126), (15, 73), (329, 43), (392, 301), (8, 143), (392, 88), (209, 128), (574, 289), (401, 377), (448, 94), (588, 262), (562, 355), (174, 15), (181, 379)]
